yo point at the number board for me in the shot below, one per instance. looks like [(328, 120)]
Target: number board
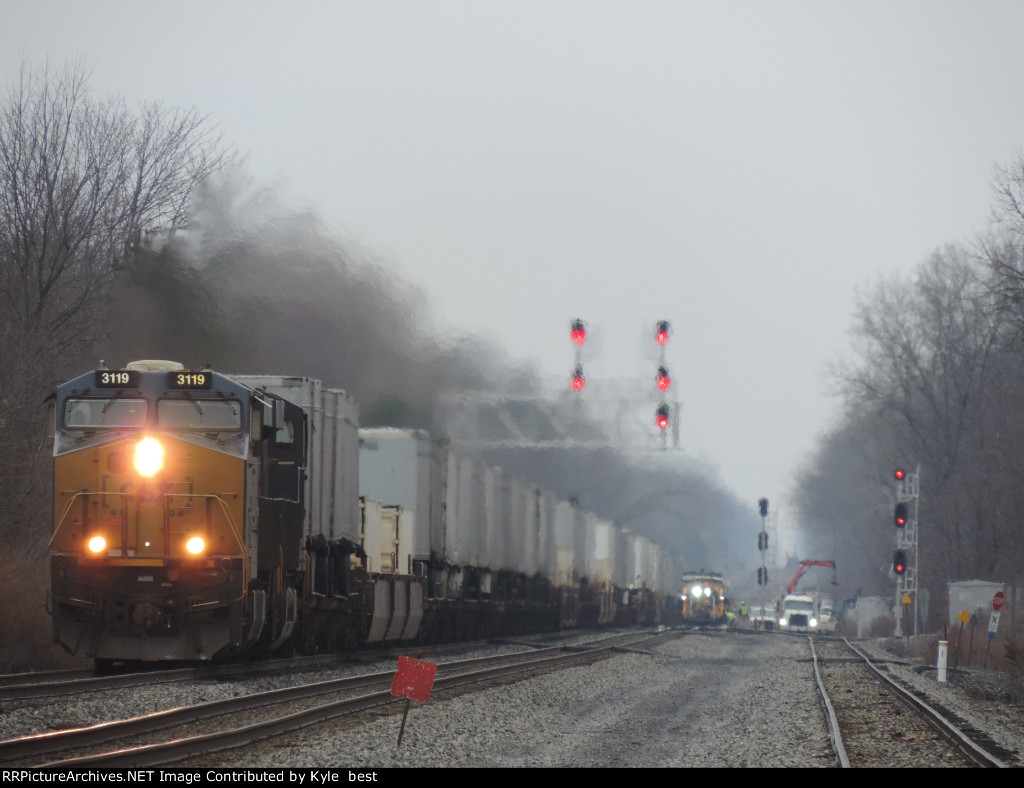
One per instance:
[(116, 379), (188, 379)]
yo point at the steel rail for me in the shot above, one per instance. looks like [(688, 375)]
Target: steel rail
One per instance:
[(179, 749), (53, 685), (833, 721), (947, 729)]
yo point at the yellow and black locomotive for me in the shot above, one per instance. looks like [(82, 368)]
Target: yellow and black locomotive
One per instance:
[(158, 473)]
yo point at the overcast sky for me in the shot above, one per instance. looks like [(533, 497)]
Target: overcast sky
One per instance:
[(737, 168)]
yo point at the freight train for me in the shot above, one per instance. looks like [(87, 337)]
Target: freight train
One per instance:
[(200, 516)]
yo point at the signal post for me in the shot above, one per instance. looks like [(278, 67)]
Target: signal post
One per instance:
[(904, 561), (762, 546)]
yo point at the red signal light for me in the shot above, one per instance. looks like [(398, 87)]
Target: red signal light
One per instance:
[(661, 416), (899, 473), (899, 562), (663, 381), (578, 332), (661, 332), (578, 381)]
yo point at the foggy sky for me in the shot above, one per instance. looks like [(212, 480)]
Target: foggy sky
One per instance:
[(252, 287), (738, 168)]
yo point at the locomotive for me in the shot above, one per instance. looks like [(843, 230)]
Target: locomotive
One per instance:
[(201, 516), (703, 598)]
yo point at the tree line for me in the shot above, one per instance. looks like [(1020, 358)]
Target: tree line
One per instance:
[(935, 379)]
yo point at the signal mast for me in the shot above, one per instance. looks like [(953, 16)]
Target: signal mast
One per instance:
[(578, 335), (904, 559)]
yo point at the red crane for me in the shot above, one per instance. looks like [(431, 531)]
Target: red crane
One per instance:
[(803, 568)]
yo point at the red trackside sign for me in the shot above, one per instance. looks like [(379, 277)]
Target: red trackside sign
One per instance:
[(414, 679)]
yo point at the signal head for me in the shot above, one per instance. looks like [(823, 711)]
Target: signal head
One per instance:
[(663, 381), (899, 562), (578, 381), (900, 514), (578, 331), (661, 416), (900, 474), (661, 332)]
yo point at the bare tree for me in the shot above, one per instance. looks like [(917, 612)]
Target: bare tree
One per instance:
[(843, 502), (930, 367), (925, 348), (1001, 248), (82, 180)]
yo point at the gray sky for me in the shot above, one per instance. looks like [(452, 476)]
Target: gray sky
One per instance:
[(737, 168)]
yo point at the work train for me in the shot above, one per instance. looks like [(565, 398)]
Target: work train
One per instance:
[(200, 516), (703, 598)]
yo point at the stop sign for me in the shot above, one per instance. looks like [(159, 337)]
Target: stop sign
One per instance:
[(997, 601)]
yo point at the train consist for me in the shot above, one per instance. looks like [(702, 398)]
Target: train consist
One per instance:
[(200, 516)]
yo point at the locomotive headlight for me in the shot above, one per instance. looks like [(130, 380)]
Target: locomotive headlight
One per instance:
[(814, 622), (149, 456), (695, 590), (195, 545), (707, 592), (782, 621), (96, 544)]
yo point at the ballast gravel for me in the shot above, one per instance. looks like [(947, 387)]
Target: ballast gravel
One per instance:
[(699, 700), (713, 699)]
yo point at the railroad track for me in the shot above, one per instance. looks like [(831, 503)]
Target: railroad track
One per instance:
[(874, 721), (172, 735), (61, 683)]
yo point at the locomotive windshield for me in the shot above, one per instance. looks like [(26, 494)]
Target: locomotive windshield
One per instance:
[(199, 414), (104, 413)]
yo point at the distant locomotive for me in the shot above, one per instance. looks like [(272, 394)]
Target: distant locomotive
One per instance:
[(199, 516), (703, 598)]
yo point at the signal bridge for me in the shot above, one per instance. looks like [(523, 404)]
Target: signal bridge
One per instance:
[(616, 417)]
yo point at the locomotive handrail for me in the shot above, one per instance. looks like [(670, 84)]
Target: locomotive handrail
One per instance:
[(239, 543), (224, 507), (67, 509)]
